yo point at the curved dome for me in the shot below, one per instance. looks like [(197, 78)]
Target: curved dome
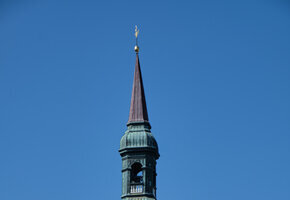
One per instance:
[(138, 139)]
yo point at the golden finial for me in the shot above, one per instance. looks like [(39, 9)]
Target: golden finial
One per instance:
[(136, 48)]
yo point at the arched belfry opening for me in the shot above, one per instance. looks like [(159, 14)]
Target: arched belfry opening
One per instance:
[(136, 181), (136, 173)]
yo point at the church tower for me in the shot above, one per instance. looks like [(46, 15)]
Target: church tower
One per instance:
[(138, 147)]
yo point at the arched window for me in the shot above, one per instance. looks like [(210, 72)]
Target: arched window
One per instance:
[(137, 173)]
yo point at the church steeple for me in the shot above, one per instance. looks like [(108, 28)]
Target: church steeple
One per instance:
[(138, 109), (138, 147)]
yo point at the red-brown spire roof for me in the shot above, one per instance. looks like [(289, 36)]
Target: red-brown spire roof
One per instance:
[(138, 109)]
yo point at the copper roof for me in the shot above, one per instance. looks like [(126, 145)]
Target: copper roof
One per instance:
[(138, 109)]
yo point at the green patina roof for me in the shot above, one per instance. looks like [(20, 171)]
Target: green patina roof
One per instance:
[(138, 136)]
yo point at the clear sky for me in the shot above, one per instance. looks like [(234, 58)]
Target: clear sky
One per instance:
[(217, 84)]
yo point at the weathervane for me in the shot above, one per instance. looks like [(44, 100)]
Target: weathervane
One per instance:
[(136, 48)]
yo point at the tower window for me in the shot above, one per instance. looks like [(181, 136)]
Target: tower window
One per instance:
[(136, 173)]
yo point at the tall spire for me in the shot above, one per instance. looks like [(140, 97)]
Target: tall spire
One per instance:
[(138, 109)]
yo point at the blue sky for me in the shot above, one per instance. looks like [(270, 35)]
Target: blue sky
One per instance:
[(216, 77)]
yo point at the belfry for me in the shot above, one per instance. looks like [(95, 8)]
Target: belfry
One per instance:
[(138, 147)]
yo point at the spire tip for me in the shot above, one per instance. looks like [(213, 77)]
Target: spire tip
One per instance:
[(136, 48)]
